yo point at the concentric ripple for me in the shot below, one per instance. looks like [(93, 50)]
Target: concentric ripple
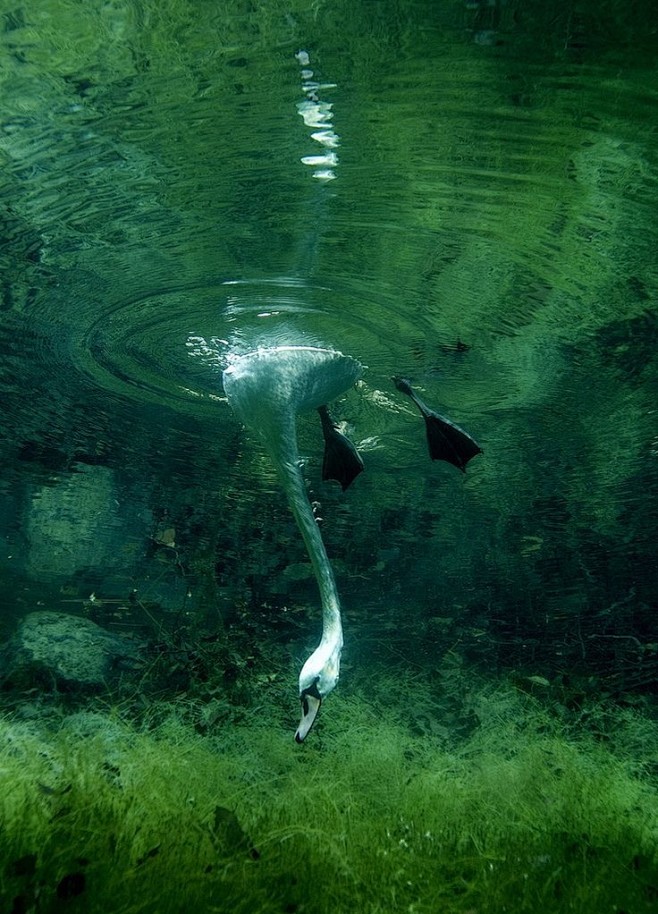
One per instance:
[(170, 346)]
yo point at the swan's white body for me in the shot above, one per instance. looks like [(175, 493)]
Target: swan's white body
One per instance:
[(267, 388)]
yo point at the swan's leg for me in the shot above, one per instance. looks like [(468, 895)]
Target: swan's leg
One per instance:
[(445, 440), (342, 461)]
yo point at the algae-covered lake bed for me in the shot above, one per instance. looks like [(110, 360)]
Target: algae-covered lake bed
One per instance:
[(535, 808)]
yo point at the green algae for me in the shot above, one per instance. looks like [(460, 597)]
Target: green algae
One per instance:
[(527, 813)]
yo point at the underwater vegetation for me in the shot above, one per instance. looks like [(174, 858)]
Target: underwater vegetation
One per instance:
[(527, 812)]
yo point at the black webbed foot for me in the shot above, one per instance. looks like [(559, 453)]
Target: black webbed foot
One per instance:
[(445, 440), (342, 462)]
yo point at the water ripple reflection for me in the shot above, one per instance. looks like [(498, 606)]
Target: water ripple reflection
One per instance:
[(139, 348)]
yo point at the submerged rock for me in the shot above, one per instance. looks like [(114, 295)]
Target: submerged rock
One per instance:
[(58, 651)]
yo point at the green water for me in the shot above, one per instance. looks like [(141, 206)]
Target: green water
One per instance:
[(489, 231)]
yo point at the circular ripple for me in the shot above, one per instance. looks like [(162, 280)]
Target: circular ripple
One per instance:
[(170, 346)]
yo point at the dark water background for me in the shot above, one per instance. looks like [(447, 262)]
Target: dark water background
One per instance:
[(490, 232)]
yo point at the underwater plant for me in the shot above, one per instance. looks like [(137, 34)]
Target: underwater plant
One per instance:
[(528, 812)]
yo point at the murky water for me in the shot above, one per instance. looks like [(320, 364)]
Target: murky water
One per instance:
[(461, 193)]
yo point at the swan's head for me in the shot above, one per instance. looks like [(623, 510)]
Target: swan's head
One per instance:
[(318, 677)]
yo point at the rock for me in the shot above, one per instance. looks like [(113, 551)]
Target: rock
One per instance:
[(58, 651)]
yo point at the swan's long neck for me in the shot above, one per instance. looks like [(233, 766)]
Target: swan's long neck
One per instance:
[(283, 449), (267, 388)]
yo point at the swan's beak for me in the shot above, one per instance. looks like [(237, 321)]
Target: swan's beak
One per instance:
[(311, 702)]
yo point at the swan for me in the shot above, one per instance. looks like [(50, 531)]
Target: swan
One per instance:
[(266, 389)]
